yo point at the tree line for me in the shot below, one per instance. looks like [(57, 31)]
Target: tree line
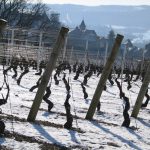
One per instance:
[(24, 14)]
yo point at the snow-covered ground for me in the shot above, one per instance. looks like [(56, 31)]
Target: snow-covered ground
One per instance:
[(104, 132)]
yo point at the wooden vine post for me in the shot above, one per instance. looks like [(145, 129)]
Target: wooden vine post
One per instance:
[(104, 77), (3, 24), (65, 48), (141, 94), (47, 74)]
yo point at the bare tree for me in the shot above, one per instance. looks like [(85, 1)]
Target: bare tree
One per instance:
[(10, 9), (29, 16), (22, 13)]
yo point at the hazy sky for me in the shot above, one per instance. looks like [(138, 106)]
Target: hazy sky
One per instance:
[(99, 2)]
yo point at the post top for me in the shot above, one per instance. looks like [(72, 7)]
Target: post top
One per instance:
[(64, 31), (3, 23)]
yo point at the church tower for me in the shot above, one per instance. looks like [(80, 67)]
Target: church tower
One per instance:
[(82, 26)]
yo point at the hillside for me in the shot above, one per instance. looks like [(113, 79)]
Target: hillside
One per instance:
[(132, 21), (48, 132)]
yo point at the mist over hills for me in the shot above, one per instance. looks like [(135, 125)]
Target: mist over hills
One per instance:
[(131, 21)]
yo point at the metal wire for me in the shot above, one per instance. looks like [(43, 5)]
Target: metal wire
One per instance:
[(74, 109)]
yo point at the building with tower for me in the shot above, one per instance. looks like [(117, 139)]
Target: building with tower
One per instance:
[(83, 39)]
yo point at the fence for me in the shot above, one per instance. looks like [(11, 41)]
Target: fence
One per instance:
[(37, 45)]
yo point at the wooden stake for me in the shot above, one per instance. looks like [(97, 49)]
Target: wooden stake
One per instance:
[(86, 52), (65, 48), (104, 77), (47, 74), (141, 94), (3, 24), (123, 61), (39, 51), (106, 51), (142, 63), (70, 59)]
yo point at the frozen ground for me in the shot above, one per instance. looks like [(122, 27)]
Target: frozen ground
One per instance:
[(104, 132)]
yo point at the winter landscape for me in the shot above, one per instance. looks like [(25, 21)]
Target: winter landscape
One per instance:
[(71, 82), (104, 132)]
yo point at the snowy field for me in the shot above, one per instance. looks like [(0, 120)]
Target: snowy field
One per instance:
[(104, 132)]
